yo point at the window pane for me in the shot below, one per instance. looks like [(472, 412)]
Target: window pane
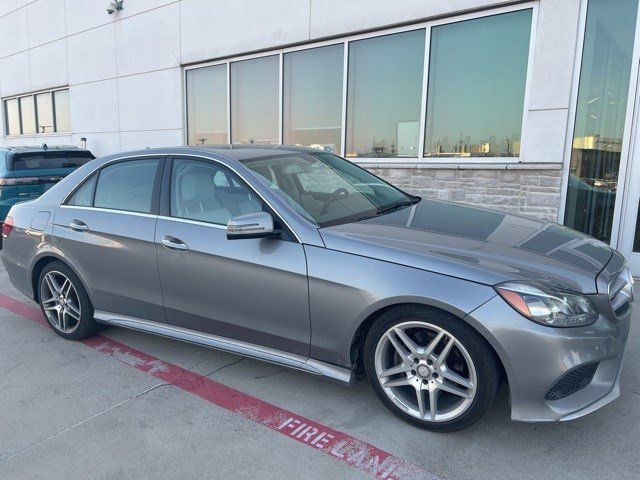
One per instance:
[(207, 105), (13, 116), (127, 186), (45, 113), (254, 101), (313, 98), (198, 193), (28, 113), (600, 116), (384, 95), (63, 119), (49, 161), (477, 79), (84, 195)]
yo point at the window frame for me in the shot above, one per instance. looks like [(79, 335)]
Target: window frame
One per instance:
[(51, 92), (345, 40)]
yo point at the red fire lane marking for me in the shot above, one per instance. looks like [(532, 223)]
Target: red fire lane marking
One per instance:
[(356, 453)]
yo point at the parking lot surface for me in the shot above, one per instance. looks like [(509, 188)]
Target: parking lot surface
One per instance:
[(131, 405)]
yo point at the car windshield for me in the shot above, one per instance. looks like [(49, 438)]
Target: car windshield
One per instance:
[(327, 189)]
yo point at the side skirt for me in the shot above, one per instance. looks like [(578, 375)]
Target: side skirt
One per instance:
[(298, 362)]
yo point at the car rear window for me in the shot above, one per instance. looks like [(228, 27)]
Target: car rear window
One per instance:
[(49, 161)]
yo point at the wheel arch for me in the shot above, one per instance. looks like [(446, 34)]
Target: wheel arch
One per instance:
[(45, 258)]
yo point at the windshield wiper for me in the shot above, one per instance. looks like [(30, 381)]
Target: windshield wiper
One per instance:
[(398, 204)]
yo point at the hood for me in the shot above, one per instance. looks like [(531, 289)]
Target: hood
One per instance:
[(476, 244)]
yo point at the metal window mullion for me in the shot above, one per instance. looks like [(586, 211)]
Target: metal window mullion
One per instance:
[(229, 102), (280, 97), (425, 84), (54, 121), (345, 70), (35, 113)]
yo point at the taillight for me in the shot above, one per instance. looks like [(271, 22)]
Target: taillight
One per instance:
[(7, 226), (19, 181)]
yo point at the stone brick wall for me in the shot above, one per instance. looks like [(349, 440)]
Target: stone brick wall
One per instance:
[(527, 190)]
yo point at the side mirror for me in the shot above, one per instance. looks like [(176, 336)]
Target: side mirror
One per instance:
[(252, 225)]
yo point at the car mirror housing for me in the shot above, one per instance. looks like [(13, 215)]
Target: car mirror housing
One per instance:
[(252, 225)]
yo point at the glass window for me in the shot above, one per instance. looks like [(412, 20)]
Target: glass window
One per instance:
[(207, 105), (600, 116), (325, 188), (198, 193), (384, 95), (49, 161), (28, 115), (45, 112), (127, 186), (313, 98), (477, 79), (12, 112), (84, 195), (254, 101), (62, 109)]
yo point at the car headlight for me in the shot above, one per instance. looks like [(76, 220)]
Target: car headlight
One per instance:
[(548, 306)]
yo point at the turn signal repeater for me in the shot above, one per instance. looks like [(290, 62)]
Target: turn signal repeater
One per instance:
[(548, 306)]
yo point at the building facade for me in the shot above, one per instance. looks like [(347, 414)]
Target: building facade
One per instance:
[(522, 106)]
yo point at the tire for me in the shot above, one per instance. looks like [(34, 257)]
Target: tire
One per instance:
[(397, 378), (73, 300)]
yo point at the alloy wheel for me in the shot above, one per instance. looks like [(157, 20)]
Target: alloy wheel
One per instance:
[(425, 371), (60, 302)]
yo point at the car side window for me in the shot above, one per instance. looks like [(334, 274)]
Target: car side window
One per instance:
[(127, 186), (208, 192), (83, 197)]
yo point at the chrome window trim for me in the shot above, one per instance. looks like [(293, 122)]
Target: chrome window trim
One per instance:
[(193, 222), (228, 165), (111, 210)]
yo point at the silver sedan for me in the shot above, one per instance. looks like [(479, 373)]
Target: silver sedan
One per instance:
[(299, 257)]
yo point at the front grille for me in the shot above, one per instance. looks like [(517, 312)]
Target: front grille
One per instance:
[(572, 381), (621, 292)]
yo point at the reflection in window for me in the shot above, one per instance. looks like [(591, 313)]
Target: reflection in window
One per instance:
[(207, 105), (45, 112), (254, 101), (384, 95), (600, 116), (12, 116), (28, 114), (477, 78), (127, 186), (313, 98), (63, 117)]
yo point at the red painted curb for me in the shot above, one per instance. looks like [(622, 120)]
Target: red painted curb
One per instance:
[(345, 448)]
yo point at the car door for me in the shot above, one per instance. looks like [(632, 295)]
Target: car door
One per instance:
[(252, 290), (107, 230)]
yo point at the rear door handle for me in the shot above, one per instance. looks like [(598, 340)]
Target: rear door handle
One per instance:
[(78, 225), (173, 243)]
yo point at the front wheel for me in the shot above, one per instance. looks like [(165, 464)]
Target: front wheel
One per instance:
[(430, 368), (65, 303)]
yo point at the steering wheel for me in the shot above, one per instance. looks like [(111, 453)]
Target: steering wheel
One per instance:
[(337, 194)]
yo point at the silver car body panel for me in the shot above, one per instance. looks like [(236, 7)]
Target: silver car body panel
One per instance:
[(342, 275)]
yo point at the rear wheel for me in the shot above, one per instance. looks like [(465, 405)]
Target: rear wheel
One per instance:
[(430, 369), (65, 303)]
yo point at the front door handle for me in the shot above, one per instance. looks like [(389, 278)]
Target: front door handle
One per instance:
[(173, 243), (78, 225)]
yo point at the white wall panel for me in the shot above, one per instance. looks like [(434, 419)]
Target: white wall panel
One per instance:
[(220, 27), (92, 55), (49, 65), (100, 144), (134, 7), (13, 33), (14, 74), (46, 19), (545, 132), (151, 139), (149, 41), (53, 140), (85, 14), (94, 107), (8, 6), (151, 101)]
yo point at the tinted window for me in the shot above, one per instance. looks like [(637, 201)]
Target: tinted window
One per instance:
[(49, 161), (28, 114), (209, 193), (63, 117), (313, 98), (45, 112), (207, 105), (254, 101), (84, 195), (127, 186), (477, 79), (384, 95)]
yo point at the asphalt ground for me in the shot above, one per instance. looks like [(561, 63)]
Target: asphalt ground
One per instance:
[(131, 405)]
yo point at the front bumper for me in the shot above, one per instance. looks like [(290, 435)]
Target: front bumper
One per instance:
[(535, 357)]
